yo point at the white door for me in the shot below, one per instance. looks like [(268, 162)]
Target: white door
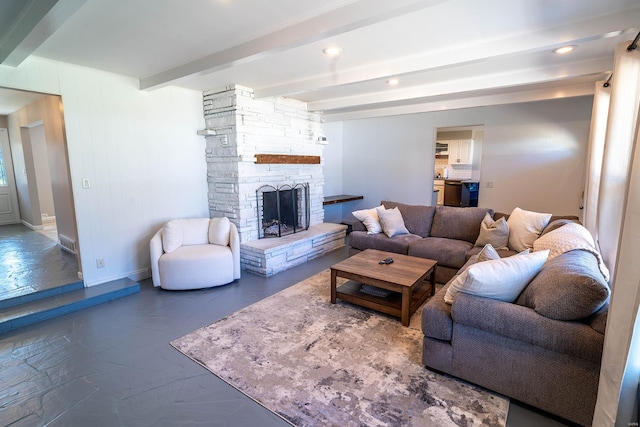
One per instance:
[(9, 213)]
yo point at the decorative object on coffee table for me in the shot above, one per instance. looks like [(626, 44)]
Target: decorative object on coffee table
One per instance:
[(406, 278)]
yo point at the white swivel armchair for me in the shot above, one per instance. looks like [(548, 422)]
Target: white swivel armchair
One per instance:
[(195, 253)]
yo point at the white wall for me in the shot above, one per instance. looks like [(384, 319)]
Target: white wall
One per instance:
[(533, 153), (388, 158), (43, 174), (140, 151)]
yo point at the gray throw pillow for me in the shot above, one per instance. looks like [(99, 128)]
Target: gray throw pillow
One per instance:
[(391, 221), (494, 233), (569, 287)]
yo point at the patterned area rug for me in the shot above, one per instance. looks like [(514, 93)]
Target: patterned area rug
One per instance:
[(320, 364)]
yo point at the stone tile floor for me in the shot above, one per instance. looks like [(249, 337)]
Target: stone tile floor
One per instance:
[(30, 261), (112, 365)]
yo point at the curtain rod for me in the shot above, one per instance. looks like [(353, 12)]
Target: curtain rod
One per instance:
[(607, 84), (634, 44)]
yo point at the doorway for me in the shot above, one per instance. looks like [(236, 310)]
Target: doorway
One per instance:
[(42, 223), (457, 165)]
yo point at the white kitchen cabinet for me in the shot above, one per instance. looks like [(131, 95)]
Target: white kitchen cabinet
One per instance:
[(438, 184), (461, 152)]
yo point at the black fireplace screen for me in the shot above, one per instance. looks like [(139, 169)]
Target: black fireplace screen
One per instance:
[(282, 210)]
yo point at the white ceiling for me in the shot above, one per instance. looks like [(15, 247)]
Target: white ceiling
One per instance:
[(446, 53)]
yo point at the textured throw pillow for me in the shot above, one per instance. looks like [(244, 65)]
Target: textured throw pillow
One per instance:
[(569, 287), (219, 229), (525, 227), (495, 233), (554, 225), (567, 238), (501, 279), (487, 253), (391, 221), (369, 218)]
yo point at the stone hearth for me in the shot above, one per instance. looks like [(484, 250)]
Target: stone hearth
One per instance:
[(239, 129), (270, 256)]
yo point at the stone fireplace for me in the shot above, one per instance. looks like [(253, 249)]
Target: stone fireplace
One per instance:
[(274, 142)]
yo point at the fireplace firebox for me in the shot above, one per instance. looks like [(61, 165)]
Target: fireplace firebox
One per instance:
[(282, 210)]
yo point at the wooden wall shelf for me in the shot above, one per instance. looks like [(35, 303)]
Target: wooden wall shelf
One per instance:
[(340, 198), (285, 159)]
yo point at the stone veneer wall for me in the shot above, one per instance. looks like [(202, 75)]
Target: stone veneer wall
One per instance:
[(244, 127)]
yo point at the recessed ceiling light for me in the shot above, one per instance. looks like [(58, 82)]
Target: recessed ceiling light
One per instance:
[(564, 49), (393, 82), (332, 51)]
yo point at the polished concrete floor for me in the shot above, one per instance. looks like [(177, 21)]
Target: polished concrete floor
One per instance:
[(30, 261), (112, 365)]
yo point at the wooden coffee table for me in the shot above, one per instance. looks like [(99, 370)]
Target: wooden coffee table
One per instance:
[(406, 278)]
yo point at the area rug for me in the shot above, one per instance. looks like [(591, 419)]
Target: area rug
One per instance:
[(320, 364)]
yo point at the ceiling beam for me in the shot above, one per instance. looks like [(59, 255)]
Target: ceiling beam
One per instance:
[(347, 18), (493, 81), (466, 102), (37, 21), (473, 52)]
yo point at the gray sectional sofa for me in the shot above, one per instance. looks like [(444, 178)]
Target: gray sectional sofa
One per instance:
[(544, 349), (446, 234)]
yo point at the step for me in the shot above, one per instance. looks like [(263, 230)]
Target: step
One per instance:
[(38, 295), (59, 304)]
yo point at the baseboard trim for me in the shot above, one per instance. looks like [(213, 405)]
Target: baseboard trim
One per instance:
[(31, 226)]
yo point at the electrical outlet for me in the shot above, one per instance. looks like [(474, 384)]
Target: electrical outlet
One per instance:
[(489, 184), (100, 263)]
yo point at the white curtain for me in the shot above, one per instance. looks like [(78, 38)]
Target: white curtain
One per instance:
[(618, 230), (599, 116)]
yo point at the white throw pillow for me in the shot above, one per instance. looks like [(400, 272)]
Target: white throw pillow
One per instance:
[(495, 233), (369, 218), (185, 232), (219, 229), (195, 231), (392, 221), (172, 235), (487, 253), (525, 227), (501, 279)]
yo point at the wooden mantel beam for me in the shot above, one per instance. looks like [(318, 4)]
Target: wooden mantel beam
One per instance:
[(287, 159)]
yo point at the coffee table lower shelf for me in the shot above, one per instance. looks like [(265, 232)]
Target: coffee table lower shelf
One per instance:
[(391, 304)]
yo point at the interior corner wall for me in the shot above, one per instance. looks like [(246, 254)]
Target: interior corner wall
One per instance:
[(533, 154), (140, 151)]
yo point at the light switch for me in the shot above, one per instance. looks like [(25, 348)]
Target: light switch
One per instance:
[(86, 183)]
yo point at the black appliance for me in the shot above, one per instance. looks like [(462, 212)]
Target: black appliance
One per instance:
[(470, 192), (461, 193)]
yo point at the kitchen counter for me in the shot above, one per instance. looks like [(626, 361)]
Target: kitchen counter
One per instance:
[(464, 181)]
